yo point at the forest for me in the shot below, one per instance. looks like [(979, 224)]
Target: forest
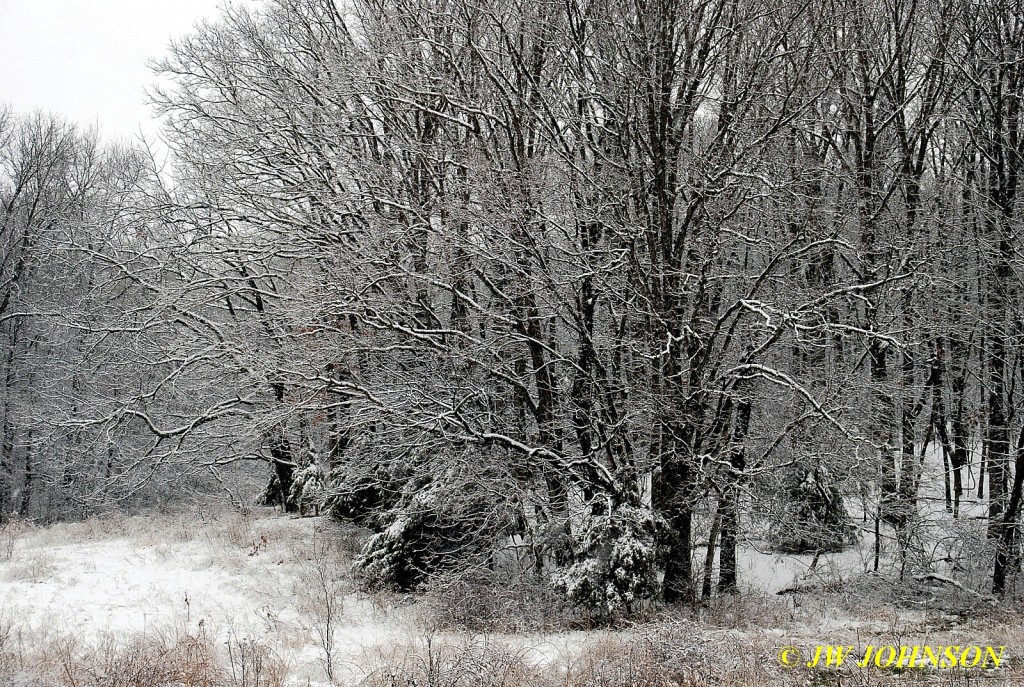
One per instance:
[(595, 294)]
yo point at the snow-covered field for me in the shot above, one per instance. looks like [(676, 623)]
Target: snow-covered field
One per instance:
[(245, 583), (233, 579), (261, 589)]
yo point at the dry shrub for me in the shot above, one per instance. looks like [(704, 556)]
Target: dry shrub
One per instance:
[(469, 664), (96, 527), (747, 611), (255, 532), (105, 526), (495, 601), (237, 531), (663, 655), (965, 553), (151, 660), (148, 661), (161, 528), (347, 538), (253, 664), (9, 651), (172, 659), (11, 532), (323, 581)]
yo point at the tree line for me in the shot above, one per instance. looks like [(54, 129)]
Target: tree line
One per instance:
[(601, 287)]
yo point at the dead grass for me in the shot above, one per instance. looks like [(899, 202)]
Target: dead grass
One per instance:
[(151, 660), (32, 566), (488, 601), (11, 533), (435, 663), (748, 611), (664, 653), (658, 655)]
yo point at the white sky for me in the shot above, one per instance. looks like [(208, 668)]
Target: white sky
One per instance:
[(86, 59)]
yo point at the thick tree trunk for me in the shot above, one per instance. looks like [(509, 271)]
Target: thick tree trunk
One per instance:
[(938, 423), (677, 436), (728, 556), (678, 582), (674, 496)]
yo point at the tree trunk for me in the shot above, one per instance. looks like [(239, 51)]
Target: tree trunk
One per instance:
[(1007, 533), (30, 473), (7, 436), (728, 556), (709, 558)]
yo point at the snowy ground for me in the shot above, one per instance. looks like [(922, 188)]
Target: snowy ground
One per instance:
[(229, 578), (235, 580), (241, 581)]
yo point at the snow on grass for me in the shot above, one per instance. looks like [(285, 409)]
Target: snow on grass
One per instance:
[(236, 579)]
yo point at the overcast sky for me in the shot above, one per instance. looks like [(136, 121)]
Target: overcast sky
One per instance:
[(86, 59)]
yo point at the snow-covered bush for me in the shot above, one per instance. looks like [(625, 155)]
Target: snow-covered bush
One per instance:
[(308, 487), (615, 564), (391, 558), (366, 495), (447, 520)]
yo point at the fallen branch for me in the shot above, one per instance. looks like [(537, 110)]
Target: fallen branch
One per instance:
[(935, 577)]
